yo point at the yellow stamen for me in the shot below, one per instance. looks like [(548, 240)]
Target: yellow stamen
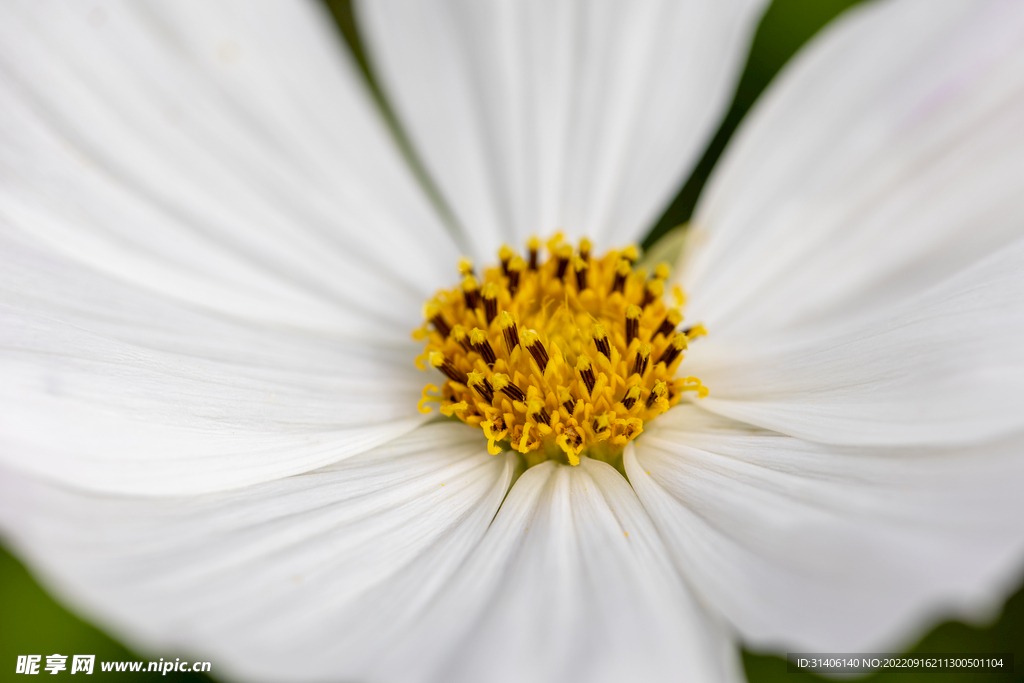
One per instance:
[(560, 357)]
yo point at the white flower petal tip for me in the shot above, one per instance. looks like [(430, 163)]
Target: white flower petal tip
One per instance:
[(828, 548), (308, 578), (537, 116)]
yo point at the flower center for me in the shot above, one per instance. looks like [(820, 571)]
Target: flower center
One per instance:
[(558, 357)]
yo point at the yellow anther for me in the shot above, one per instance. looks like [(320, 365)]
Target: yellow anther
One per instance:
[(576, 333)]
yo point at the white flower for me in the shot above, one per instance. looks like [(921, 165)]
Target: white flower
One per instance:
[(211, 256)]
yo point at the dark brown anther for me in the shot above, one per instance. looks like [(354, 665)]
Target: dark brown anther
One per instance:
[(482, 386), (586, 373), (505, 255), (509, 330), (572, 437), (562, 256), (533, 344), (539, 412), (470, 292), (632, 394), (643, 356), (601, 340), (482, 345), (490, 302), (460, 335), (632, 323), (581, 267), (653, 290), (438, 360), (668, 325), (568, 402), (506, 386), (534, 248), (515, 270), (585, 247), (657, 392), (673, 350), (441, 325), (622, 271)]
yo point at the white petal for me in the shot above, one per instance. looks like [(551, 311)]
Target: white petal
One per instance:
[(222, 154), (546, 115), (211, 255), (571, 583), (943, 368), (306, 578), (888, 155), (826, 548)]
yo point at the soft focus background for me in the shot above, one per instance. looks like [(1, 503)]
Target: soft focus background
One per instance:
[(33, 623)]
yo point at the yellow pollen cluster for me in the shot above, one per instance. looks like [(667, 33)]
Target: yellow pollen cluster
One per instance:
[(557, 357)]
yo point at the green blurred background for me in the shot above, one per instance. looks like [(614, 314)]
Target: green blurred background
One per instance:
[(32, 623)]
